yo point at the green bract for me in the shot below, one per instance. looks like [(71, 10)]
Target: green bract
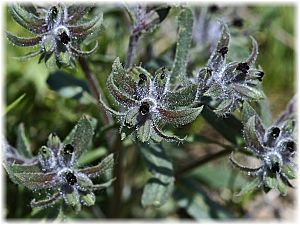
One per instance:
[(59, 30), (147, 103), (55, 169)]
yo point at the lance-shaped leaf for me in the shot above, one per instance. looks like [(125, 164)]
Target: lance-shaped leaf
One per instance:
[(83, 135), (254, 93), (122, 78), (26, 19), (252, 134), (185, 96), (25, 42), (37, 180), (247, 112), (23, 145), (46, 202), (106, 164), (160, 186), (77, 12), (185, 27), (144, 131), (179, 116), (250, 187), (198, 204)]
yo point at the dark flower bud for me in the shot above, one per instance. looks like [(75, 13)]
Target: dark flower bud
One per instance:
[(275, 167), (223, 51), (68, 149), (244, 67), (260, 75), (143, 78), (213, 8), (290, 146)]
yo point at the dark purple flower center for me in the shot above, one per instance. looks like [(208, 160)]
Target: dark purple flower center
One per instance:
[(260, 75), (71, 178), (54, 11), (213, 8), (275, 132), (144, 108), (275, 167), (64, 38)]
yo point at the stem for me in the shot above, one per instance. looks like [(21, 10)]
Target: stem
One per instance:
[(202, 161), (94, 87), (132, 46)]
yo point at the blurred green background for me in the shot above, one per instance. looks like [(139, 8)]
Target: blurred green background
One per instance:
[(44, 110)]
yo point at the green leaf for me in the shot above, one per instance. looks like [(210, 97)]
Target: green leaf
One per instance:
[(83, 135), (247, 112), (190, 196), (23, 145), (289, 171), (281, 187), (230, 127), (250, 187), (92, 155), (156, 192), (160, 186), (14, 104), (249, 92), (185, 27), (265, 112)]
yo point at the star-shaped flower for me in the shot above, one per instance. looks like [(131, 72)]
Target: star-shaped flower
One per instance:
[(229, 84), (275, 146), (147, 103), (55, 170), (59, 30)]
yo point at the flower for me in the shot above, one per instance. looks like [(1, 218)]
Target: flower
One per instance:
[(275, 146), (229, 84), (59, 30), (147, 103), (55, 170)]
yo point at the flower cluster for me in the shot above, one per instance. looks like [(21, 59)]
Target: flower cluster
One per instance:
[(275, 146), (229, 84), (147, 103), (59, 30), (55, 169)]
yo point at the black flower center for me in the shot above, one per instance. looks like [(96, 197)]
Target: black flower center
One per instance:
[(64, 38), (260, 75), (71, 178), (238, 22), (142, 80), (275, 167), (290, 146), (223, 51), (68, 149), (244, 67), (144, 108), (275, 132)]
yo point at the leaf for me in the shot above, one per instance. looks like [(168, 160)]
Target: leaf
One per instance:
[(92, 155), (190, 196), (281, 187), (180, 116), (144, 131), (160, 186), (23, 145), (106, 164), (250, 187), (185, 26), (253, 135), (156, 192), (247, 112), (66, 85), (83, 135), (229, 127), (23, 42), (14, 104), (249, 92)]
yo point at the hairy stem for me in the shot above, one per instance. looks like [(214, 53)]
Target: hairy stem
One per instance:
[(202, 161), (112, 137), (94, 87), (132, 46)]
